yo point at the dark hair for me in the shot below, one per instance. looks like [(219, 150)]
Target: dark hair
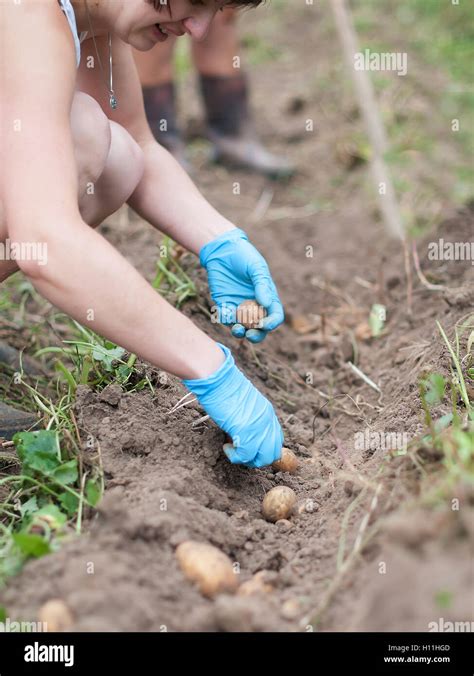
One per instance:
[(229, 3), (244, 3)]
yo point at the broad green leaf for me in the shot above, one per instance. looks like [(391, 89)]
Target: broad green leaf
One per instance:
[(52, 515), (106, 357), (3, 613), (29, 506), (109, 345), (31, 544), (435, 386), (443, 422), (67, 473), (69, 502), (124, 371), (93, 493), (465, 445), (11, 563), (38, 451)]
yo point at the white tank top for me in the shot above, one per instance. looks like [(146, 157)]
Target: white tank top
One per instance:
[(68, 10)]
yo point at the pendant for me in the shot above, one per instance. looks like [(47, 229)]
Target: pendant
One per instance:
[(113, 102)]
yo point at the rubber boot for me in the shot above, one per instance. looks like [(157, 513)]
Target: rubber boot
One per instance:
[(231, 130), (160, 108), (13, 420), (11, 357)]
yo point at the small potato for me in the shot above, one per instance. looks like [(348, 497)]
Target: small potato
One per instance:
[(56, 615), (291, 609), (256, 585), (287, 463), (278, 503), (208, 567), (250, 314)]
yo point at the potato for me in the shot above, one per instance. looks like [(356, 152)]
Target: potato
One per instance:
[(56, 615), (291, 609), (278, 503), (250, 314), (256, 585), (287, 463), (208, 567)]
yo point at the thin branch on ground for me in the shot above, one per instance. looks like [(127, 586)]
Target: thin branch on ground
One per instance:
[(421, 276)]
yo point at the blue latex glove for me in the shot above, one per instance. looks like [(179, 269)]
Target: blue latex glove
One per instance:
[(236, 272), (239, 409)]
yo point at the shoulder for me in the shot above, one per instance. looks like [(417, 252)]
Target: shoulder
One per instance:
[(39, 21), (44, 57), (39, 10)]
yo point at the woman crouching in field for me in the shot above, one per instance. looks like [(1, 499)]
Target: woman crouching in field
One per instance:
[(66, 127)]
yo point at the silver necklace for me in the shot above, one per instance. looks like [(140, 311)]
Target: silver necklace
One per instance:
[(112, 98)]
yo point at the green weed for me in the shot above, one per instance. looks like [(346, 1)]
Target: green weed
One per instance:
[(171, 280), (43, 503)]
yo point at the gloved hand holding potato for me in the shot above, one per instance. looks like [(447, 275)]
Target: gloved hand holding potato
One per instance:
[(237, 273)]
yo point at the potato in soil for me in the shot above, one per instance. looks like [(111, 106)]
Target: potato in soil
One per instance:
[(278, 503), (56, 615), (250, 314), (287, 463), (256, 585), (208, 567)]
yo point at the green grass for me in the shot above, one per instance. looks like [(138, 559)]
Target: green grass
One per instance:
[(43, 500), (94, 361), (171, 280), (450, 435), (431, 164), (47, 482), (258, 51), (445, 39)]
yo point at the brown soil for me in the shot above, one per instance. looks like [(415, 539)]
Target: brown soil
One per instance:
[(167, 481)]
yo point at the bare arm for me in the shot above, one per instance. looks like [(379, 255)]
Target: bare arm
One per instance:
[(84, 276), (166, 197)]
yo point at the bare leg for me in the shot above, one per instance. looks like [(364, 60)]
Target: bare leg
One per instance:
[(103, 186), (155, 69), (226, 95), (216, 54), (89, 280), (92, 136)]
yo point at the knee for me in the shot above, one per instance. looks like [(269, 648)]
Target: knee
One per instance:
[(92, 137), (125, 164), (134, 159)]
